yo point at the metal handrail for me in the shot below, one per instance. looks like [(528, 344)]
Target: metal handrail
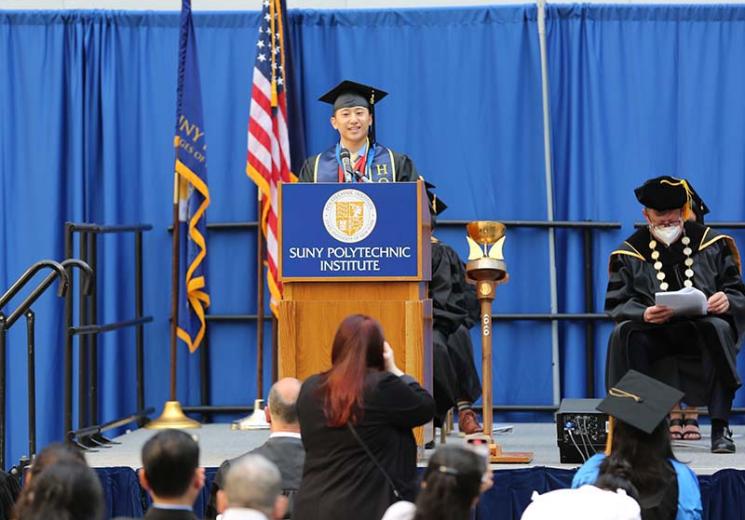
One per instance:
[(39, 290), (91, 437), (88, 278), (95, 228), (19, 284), (58, 271), (97, 329), (89, 328)]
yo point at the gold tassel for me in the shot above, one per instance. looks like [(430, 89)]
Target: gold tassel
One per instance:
[(609, 442)]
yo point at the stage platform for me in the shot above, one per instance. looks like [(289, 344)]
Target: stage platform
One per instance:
[(218, 442), (721, 481)]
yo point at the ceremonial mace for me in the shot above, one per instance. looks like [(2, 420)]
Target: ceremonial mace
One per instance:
[(487, 267)]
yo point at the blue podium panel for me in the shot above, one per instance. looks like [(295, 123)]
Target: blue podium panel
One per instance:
[(331, 231)]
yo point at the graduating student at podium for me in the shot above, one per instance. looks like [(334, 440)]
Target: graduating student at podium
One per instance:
[(356, 157), (694, 354)]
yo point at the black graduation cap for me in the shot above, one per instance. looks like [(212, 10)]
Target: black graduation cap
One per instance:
[(349, 94), (436, 206), (665, 192), (641, 401)]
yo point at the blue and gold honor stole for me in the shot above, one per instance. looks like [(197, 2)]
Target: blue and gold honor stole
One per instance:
[(190, 189), (377, 165)]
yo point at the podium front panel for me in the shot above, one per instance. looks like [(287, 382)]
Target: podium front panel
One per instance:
[(364, 231)]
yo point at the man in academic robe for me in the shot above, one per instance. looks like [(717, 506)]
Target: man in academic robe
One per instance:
[(356, 157), (455, 310), (695, 354)]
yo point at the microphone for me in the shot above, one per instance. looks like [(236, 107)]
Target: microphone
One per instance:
[(346, 164)]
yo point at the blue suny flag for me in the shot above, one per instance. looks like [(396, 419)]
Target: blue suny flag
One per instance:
[(190, 188)]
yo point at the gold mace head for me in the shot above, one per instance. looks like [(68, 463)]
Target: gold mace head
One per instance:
[(485, 239), (485, 258), (485, 232)]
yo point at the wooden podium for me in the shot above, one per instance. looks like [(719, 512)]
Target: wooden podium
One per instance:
[(355, 248)]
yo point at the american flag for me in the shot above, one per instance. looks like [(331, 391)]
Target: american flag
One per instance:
[(268, 160)]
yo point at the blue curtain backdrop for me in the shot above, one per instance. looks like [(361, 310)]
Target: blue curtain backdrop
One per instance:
[(636, 92), (89, 99), (87, 105)]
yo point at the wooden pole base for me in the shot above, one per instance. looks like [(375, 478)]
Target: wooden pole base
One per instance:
[(497, 456)]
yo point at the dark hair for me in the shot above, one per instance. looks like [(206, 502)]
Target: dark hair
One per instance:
[(66, 490), (645, 455), (617, 476), (52, 454), (451, 482), (169, 459), (358, 347)]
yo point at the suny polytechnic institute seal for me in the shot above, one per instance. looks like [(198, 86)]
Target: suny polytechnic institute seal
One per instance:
[(349, 215)]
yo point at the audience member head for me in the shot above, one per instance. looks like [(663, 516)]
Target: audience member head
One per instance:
[(452, 483), (584, 503), (66, 490), (282, 410), (357, 348), (52, 454), (170, 468), (253, 483), (639, 446)]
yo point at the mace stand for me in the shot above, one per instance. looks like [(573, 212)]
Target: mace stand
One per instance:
[(487, 267)]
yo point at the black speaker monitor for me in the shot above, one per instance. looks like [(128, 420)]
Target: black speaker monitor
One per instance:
[(581, 430)]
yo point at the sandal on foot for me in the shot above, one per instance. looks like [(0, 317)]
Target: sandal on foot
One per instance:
[(691, 430), (676, 429)]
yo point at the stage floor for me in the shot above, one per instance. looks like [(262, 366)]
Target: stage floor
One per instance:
[(218, 442)]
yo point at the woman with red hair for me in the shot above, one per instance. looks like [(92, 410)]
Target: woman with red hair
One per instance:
[(356, 421)]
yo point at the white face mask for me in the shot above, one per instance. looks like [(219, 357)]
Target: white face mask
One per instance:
[(667, 234)]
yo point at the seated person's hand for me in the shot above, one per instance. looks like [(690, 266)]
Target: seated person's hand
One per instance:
[(718, 303), (657, 314)]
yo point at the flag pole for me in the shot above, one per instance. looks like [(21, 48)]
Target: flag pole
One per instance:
[(256, 420), (175, 264), (173, 416), (184, 179), (260, 304)]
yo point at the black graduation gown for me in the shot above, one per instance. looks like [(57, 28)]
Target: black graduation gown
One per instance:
[(404, 169), (455, 310), (339, 479), (631, 289)]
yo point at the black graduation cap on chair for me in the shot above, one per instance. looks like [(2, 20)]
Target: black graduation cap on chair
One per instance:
[(664, 193), (349, 94), (641, 401)]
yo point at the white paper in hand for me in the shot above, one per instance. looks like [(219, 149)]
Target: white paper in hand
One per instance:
[(685, 302)]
